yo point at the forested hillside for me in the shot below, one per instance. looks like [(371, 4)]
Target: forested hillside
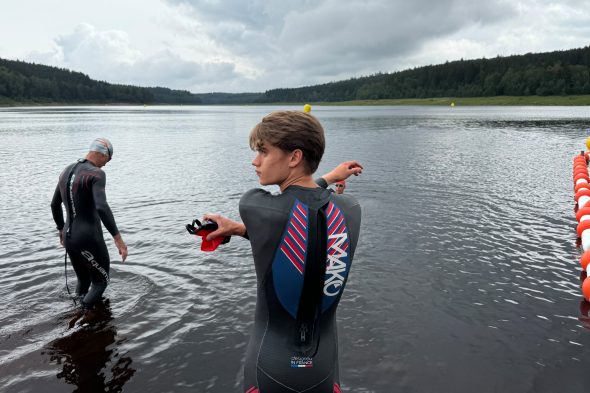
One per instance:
[(229, 98), (22, 82), (534, 74), (544, 74)]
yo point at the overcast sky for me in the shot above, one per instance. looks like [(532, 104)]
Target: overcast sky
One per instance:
[(252, 46)]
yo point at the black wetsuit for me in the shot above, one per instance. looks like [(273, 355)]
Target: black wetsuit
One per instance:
[(81, 188), (303, 242)]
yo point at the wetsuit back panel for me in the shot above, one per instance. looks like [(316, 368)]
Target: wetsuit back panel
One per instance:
[(276, 360)]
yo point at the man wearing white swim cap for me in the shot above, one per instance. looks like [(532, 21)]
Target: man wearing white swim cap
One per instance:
[(81, 189), (102, 146)]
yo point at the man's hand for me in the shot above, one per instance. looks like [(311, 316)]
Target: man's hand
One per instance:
[(121, 246), (61, 237), (343, 171)]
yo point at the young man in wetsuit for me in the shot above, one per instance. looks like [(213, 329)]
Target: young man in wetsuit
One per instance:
[(303, 242), (81, 188)]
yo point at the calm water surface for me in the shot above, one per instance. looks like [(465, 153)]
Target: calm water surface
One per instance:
[(466, 276)]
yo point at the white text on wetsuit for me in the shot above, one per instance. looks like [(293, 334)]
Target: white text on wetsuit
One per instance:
[(334, 282), (88, 255), (72, 196)]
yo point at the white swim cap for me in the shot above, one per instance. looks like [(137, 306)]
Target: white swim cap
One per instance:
[(103, 146)]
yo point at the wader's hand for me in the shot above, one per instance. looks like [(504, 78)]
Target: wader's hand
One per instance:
[(121, 246)]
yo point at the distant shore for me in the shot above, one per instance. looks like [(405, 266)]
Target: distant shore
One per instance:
[(577, 100), (571, 100)]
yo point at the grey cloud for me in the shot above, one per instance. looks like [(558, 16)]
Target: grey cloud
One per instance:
[(333, 37), (245, 27), (169, 70), (265, 44), (255, 14), (347, 39), (109, 56)]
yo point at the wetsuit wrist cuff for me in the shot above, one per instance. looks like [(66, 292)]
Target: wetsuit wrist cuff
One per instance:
[(321, 182)]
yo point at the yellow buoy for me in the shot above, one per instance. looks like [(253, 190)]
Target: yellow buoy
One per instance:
[(452, 104), (307, 109), (588, 143)]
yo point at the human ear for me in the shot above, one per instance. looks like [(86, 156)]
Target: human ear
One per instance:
[(296, 158)]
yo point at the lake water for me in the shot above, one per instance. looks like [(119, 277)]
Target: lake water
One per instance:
[(466, 277)]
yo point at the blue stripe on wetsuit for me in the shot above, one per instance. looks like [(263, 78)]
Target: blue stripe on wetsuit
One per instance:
[(288, 266)]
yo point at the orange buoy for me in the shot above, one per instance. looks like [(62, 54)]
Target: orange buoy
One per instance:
[(582, 226), (581, 185), (582, 209), (585, 211), (586, 289), (581, 176), (582, 192)]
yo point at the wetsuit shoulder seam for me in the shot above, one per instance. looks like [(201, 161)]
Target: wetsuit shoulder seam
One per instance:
[(275, 206)]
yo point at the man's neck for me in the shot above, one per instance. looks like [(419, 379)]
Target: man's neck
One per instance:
[(298, 180), (92, 159)]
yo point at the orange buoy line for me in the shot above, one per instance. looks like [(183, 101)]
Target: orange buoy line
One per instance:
[(582, 209)]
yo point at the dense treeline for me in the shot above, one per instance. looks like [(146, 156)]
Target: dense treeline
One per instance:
[(552, 73), (229, 98), (542, 74), (163, 95), (35, 83)]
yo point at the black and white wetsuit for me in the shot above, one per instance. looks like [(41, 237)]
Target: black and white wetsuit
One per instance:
[(81, 188), (303, 243)]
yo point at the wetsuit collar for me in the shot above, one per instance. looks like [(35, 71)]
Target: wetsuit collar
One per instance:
[(301, 180), (296, 187), (90, 161)]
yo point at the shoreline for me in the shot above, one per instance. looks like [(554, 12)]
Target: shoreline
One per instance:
[(577, 100), (570, 100)]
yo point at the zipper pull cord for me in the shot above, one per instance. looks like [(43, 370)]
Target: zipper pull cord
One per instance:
[(303, 332)]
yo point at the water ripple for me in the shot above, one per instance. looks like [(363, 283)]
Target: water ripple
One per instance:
[(465, 277)]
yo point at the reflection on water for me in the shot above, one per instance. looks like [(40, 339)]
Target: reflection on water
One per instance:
[(89, 357)]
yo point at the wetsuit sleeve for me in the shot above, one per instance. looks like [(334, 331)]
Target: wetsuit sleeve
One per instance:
[(320, 181), (354, 221), (102, 207), (58, 215), (258, 206)]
